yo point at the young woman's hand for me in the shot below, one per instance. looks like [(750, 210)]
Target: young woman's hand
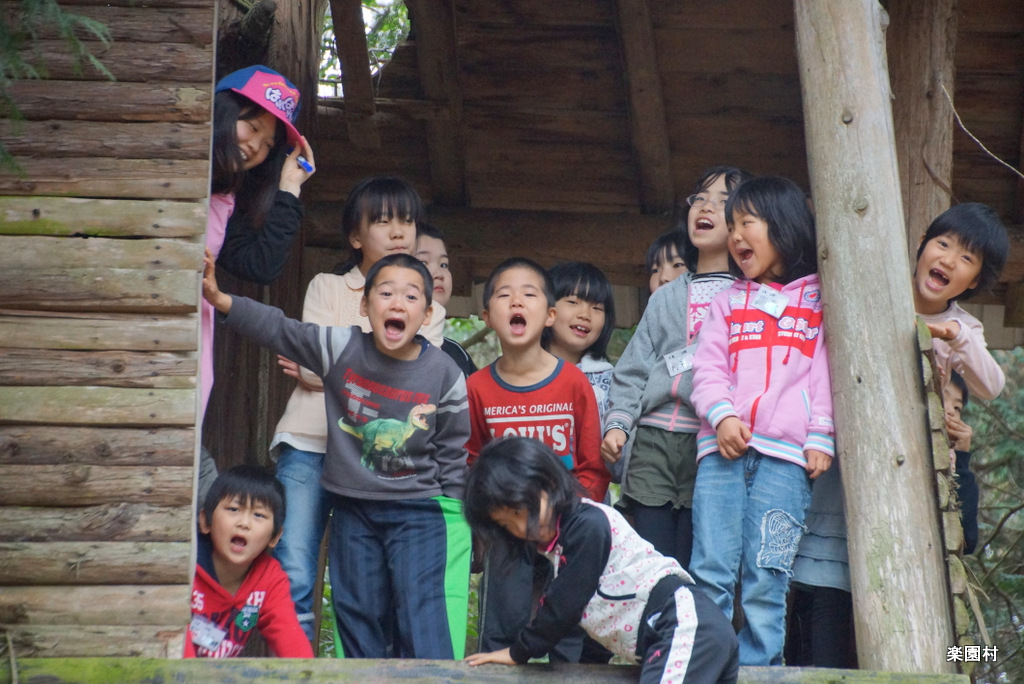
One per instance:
[(293, 175), (733, 436), (817, 462), (611, 446), (211, 292), (501, 657), (944, 331)]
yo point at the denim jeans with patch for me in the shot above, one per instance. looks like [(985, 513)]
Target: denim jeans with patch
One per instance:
[(748, 517), (307, 509)]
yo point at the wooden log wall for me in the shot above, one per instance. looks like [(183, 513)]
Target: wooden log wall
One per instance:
[(101, 234)]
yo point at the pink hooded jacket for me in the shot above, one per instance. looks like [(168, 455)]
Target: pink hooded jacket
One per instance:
[(771, 373)]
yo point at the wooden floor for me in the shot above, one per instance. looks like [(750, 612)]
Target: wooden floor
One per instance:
[(238, 670)]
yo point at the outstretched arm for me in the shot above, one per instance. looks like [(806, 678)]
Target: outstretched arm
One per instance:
[(220, 301)]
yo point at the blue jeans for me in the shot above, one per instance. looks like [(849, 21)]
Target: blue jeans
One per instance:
[(748, 517), (307, 508)]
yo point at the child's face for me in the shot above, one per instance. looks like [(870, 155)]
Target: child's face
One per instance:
[(240, 531), (751, 249), (433, 253), (944, 271), (382, 237), (578, 324), (256, 138), (667, 268), (397, 309), (952, 400), (706, 225), (518, 310), (515, 521)]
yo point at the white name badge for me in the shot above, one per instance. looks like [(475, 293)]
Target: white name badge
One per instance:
[(771, 301), (680, 360), (205, 633)]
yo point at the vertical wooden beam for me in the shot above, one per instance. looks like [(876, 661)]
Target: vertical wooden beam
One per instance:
[(922, 47), (433, 27), (901, 600), (646, 107), (356, 80)]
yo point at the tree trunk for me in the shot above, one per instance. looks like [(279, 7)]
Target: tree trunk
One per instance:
[(922, 45), (901, 603)]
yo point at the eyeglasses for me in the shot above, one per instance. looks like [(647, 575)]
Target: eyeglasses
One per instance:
[(698, 202)]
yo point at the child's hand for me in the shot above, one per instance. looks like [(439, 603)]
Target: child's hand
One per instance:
[(733, 437), (817, 462), (960, 433), (211, 293), (501, 657), (944, 331), (611, 446), (293, 175), (292, 369)]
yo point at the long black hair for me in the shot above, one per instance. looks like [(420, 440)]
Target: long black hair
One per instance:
[(371, 200), (589, 283)]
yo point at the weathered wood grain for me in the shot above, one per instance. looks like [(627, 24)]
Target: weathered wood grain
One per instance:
[(131, 21), (105, 101), (81, 563), (48, 367), (38, 253), (97, 406), (138, 62), (99, 641), (84, 485), (107, 217), (51, 330), (118, 522), (99, 605), (97, 177), (109, 289), (153, 140)]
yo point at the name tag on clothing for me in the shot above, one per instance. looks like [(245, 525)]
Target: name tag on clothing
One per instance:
[(205, 633), (680, 360), (771, 301)]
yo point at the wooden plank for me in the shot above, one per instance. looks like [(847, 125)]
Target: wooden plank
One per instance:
[(646, 107), (589, 90), (991, 53), (97, 177), (110, 522), (43, 445), (726, 15), (771, 95), (99, 641), (82, 485), (356, 79), (521, 125), (112, 289), (159, 139), (78, 252), (437, 58), (582, 52), (130, 21), (97, 406), (706, 51), (99, 605), (359, 670), (105, 101), (49, 330), (77, 563), (101, 217), (990, 16), (597, 13), (98, 368), (129, 62)]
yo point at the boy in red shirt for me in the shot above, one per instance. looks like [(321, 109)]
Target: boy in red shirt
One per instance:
[(238, 585), (529, 392)]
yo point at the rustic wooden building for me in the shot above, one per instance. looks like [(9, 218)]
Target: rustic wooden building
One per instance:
[(554, 130)]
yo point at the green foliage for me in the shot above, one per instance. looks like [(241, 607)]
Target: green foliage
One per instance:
[(20, 34), (387, 25), (998, 564)]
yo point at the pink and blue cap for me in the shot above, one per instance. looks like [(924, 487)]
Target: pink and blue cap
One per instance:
[(270, 90)]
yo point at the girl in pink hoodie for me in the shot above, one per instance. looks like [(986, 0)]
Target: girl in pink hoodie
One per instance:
[(761, 385)]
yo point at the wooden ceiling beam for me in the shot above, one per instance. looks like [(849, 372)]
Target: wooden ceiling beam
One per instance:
[(433, 27), (646, 107), (356, 79)]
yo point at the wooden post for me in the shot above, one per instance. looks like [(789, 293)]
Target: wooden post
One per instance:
[(901, 603), (922, 45)]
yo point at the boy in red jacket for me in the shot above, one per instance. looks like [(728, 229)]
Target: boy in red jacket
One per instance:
[(238, 585)]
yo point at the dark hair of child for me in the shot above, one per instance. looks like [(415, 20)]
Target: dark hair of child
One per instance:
[(426, 229), (662, 247), (511, 473), (518, 262), (961, 384), (733, 178), (251, 484), (371, 200), (978, 228), (402, 261), (254, 189), (781, 204), (589, 283)]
